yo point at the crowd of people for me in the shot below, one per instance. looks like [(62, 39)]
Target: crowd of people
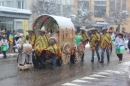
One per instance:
[(104, 40), (12, 41)]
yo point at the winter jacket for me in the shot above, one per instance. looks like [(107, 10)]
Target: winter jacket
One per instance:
[(129, 43)]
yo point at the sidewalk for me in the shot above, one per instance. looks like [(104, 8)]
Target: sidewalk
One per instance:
[(9, 55)]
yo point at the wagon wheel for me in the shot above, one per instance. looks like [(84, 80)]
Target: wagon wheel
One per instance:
[(78, 53), (66, 53)]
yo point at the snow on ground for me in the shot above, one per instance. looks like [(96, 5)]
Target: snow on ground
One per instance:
[(123, 69), (87, 45)]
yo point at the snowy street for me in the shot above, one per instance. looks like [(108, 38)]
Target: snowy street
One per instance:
[(79, 74)]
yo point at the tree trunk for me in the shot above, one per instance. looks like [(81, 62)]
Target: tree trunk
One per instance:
[(119, 28)]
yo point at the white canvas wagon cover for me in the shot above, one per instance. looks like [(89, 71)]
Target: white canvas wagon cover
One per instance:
[(62, 22)]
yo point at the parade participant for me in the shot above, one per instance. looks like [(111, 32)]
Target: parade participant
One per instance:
[(32, 37), (55, 52), (105, 44), (21, 39), (41, 44), (94, 43), (4, 46), (112, 38), (79, 47), (120, 46), (85, 38), (25, 54)]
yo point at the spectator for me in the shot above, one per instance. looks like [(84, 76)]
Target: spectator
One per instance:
[(129, 44), (4, 46), (11, 41), (8, 33)]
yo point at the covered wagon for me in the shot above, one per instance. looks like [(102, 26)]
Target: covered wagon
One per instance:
[(62, 30)]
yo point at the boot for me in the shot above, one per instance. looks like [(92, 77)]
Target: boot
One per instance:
[(82, 58)]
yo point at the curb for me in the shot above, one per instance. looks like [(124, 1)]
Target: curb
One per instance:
[(9, 55)]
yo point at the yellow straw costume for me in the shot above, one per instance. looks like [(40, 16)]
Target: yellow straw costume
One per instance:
[(55, 49), (93, 38), (105, 41), (41, 43), (32, 39)]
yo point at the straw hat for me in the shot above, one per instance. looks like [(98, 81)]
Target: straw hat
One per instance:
[(104, 29), (21, 34), (119, 33), (92, 29), (42, 29), (30, 30), (83, 28), (109, 31), (17, 35)]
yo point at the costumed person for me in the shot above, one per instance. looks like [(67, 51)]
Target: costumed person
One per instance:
[(120, 46), (40, 46), (21, 39), (112, 38), (16, 38), (54, 52), (79, 48), (4, 46), (105, 45), (128, 46), (85, 38), (94, 41), (31, 37), (25, 54)]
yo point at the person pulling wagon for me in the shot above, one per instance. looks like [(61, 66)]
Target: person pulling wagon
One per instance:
[(40, 46), (54, 52), (85, 39)]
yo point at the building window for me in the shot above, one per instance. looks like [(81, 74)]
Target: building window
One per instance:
[(10, 3), (1, 3), (84, 4), (100, 8), (100, 2), (118, 2), (112, 5), (21, 4), (123, 4)]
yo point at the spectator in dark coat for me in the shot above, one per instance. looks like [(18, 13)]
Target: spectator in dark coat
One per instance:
[(8, 32), (129, 44)]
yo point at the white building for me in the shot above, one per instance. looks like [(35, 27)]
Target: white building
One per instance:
[(13, 13), (26, 4)]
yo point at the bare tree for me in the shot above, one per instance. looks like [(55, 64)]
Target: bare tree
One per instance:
[(43, 7), (83, 17), (117, 16)]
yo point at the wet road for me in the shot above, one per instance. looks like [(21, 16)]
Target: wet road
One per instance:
[(10, 76)]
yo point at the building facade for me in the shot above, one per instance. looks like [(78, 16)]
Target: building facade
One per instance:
[(13, 7), (102, 8), (61, 6)]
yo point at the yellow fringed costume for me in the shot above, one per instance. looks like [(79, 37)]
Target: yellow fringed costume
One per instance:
[(41, 44), (55, 49), (94, 40), (105, 41), (84, 36), (32, 39)]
